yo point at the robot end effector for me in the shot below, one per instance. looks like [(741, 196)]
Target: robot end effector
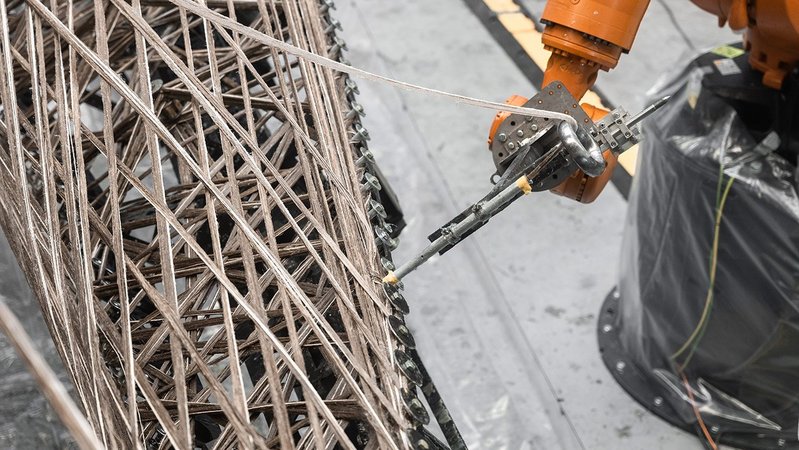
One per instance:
[(585, 36)]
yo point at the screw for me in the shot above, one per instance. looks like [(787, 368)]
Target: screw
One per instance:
[(511, 146), (520, 133), (361, 134), (326, 5), (383, 238), (658, 401), (616, 293), (334, 25), (502, 137), (387, 264), (350, 87), (534, 127), (338, 45), (620, 366), (376, 209), (607, 328), (714, 429), (357, 110), (370, 183), (367, 157)]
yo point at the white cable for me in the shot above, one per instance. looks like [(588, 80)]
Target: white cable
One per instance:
[(208, 14)]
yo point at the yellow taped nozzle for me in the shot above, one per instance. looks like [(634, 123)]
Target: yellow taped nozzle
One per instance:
[(524, 185), (391, 278)]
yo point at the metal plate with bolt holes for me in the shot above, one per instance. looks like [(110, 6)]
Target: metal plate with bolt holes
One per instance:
[(518, 130)]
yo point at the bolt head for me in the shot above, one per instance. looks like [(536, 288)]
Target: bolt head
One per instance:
[(534, 127), (511, 146), (520, 133), (714, 429), (607, 328), (620, 365), (658, 401), (502, 137)]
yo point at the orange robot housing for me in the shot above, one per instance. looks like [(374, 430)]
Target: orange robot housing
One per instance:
[(585, 36)]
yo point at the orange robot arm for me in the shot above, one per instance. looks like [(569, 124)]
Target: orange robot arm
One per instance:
[(587, 35)]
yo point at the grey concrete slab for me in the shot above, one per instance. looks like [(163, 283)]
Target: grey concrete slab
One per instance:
[(506, 321)]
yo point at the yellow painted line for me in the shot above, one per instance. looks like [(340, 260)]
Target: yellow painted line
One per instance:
[(522, 28), (502, 5)]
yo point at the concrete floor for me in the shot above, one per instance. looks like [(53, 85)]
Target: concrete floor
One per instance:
[(505, 322)]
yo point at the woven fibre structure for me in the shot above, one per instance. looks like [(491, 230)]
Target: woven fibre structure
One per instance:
[(189, 207)]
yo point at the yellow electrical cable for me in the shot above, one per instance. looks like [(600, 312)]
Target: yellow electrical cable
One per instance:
[(713, 266)]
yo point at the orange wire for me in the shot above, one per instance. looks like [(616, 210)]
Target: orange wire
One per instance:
[(696, 413)]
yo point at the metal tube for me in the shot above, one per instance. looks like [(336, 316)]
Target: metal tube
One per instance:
[(647, 111), (451, 235)]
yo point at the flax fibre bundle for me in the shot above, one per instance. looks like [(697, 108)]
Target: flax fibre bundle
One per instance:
[(186, 204)]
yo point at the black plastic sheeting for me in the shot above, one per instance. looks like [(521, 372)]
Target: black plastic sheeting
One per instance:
[(742, 359)]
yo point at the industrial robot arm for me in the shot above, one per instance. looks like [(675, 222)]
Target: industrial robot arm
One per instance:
[(585, 36)]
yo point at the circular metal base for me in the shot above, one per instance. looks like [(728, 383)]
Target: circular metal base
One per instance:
[(644, 389)]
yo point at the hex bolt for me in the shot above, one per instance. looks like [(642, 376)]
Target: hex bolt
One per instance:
[(658, 401), (327, 5), (620, 366), (520, 133), (366, 158), (502, 137), (511, 146), (370, 183), (387, 264), (376, 209), (534, 127), (350, 86), (356, 111), (607, 328), (338, 44), (334, 25), (383, 238), (361, 135)]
